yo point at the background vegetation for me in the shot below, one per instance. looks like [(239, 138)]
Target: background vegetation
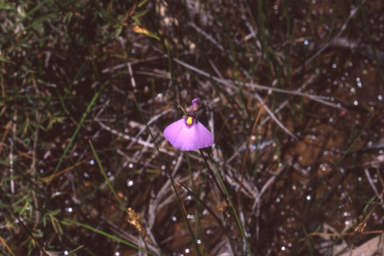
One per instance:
[(81, 174)]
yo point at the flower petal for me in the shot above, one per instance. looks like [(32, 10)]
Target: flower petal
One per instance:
[(202, 137), (188, 137)]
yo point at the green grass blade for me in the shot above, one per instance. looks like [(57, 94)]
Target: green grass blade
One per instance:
[(85, 114), (72, 222)]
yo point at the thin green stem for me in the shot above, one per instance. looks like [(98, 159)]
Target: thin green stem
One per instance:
[(172, 181), (233, 208)]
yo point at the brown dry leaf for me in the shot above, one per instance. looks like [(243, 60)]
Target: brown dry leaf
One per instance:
[(368, 248)]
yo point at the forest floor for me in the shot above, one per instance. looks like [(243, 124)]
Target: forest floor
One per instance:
[(292, 93)]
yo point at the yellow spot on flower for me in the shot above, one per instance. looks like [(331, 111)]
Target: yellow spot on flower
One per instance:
[(189, 120)]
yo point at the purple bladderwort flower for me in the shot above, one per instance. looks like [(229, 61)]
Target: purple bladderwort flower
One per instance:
[(188, 133)]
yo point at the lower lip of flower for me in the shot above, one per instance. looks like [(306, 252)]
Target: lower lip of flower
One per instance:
[(188, 134)]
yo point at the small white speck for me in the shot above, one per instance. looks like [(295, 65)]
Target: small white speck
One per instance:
[(308, 197), (92, 162)]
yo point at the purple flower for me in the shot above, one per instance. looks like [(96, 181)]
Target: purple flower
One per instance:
[(188, 133)]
